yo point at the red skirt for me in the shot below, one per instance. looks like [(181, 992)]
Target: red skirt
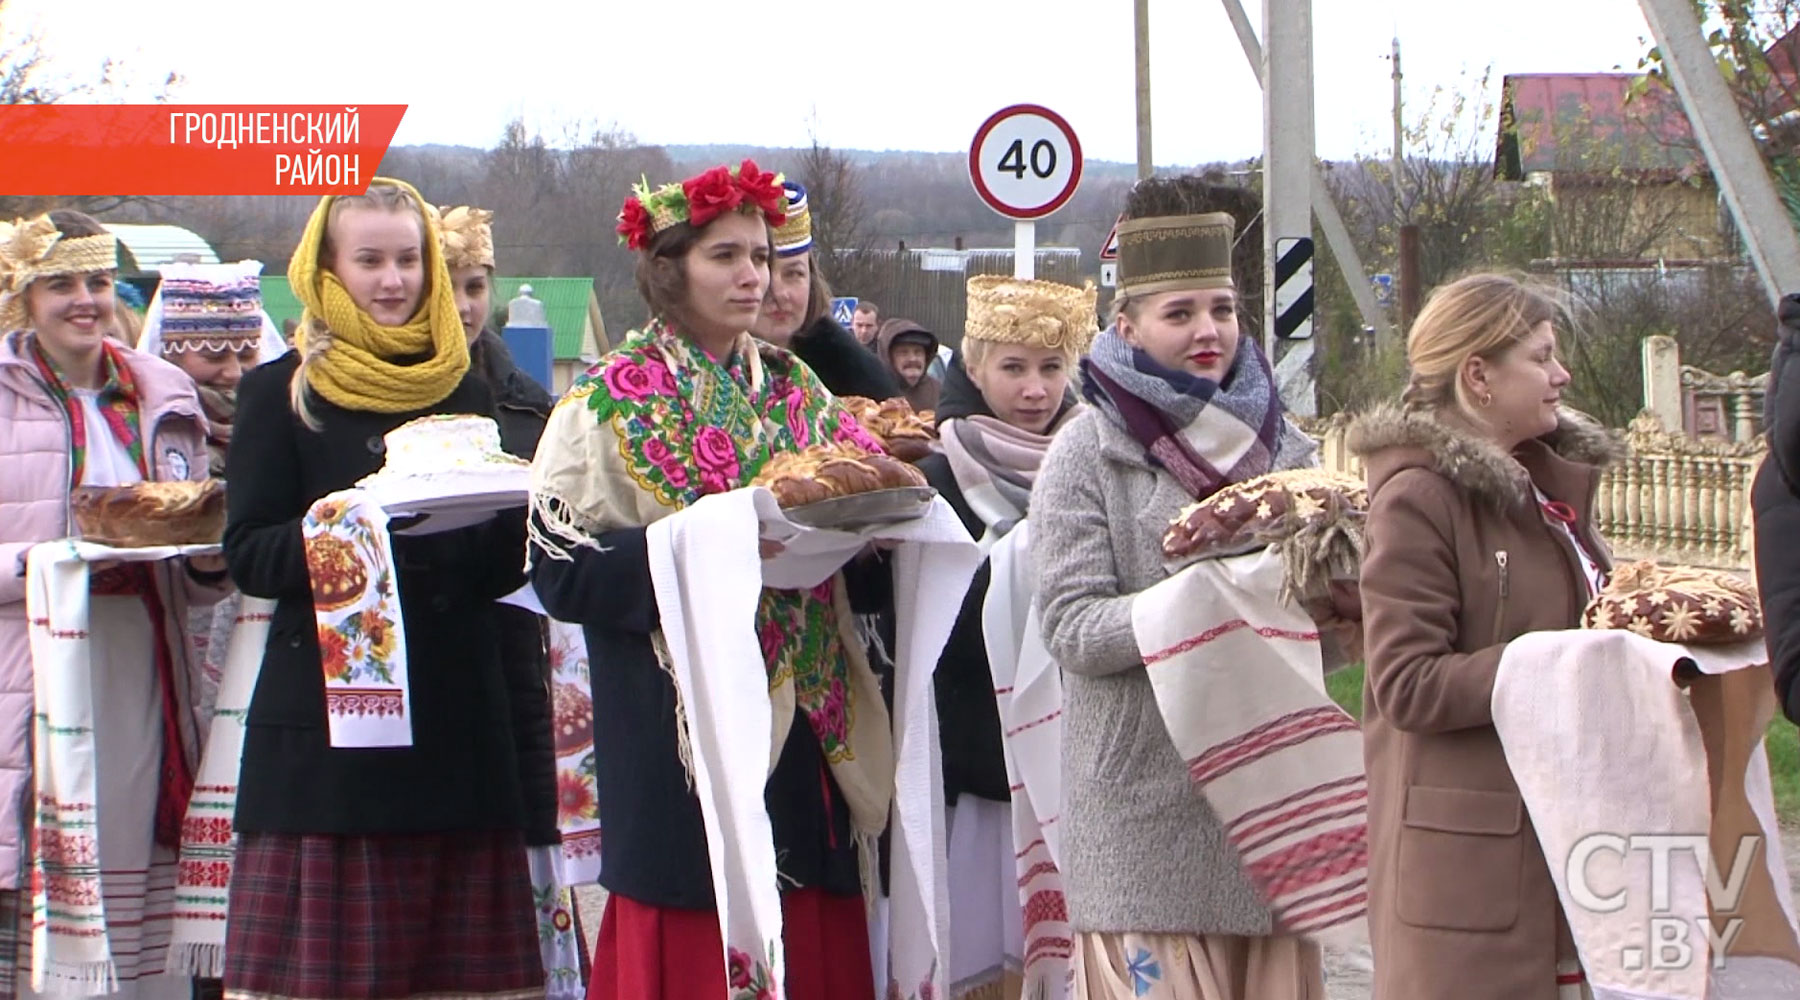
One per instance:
[(382, 917), (661, 953)]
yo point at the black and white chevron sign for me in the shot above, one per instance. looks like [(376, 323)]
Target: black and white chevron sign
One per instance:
[(1294, 288)]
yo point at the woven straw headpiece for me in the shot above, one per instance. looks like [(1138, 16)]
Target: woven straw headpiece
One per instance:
[(35, 249), (468, 239), (1045, 314)]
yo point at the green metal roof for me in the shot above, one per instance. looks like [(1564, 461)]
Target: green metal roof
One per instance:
[(565, 305)]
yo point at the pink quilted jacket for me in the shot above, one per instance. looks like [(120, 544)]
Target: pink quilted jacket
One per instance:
[(34, 507)]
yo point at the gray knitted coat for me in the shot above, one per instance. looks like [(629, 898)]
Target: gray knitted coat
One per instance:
[(1143, 851)]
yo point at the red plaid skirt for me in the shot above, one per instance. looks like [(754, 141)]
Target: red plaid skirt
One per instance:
[(382, 917), (661, 953)]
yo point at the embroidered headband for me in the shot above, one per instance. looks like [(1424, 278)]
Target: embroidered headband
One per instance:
[(699, 200), (468, 240), (37, 249), (794, 237), (1175, 253), (1004, 310)]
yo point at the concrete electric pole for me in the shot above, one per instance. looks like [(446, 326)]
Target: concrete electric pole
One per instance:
[(1288, 149), (1141, 22), (1730, 149), (1337, 235)]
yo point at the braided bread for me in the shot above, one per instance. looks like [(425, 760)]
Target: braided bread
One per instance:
[(828, 471), (906, 434)]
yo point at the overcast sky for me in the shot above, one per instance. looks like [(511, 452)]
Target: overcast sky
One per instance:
[(912, 74)]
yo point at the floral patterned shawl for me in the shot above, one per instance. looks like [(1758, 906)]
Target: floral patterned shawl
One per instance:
[(658, 424)]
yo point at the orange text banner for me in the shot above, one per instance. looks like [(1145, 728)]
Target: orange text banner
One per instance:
[(192, 149)]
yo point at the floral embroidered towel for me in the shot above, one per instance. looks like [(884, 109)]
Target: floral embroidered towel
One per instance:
[(208, 841), (1239, 677), (557, 940), (577, 793), (362, 639)]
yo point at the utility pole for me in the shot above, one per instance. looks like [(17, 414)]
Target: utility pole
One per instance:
[(1730, 151), (1410, 292), (1399, 132), (1288, 151), (1337, 235), (1141, 19)]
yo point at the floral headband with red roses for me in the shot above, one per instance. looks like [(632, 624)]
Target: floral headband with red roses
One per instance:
[(699, 200)]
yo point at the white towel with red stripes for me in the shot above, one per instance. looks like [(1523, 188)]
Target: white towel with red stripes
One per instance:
[(1028, 687), (1239, 678)]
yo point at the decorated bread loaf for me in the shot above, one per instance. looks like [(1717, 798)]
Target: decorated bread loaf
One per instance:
[(907, 435), (1693, 607), (183, 512), (1312, 516), (1256, 512), (828, 471)]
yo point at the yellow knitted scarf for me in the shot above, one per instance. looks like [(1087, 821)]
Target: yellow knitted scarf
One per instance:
[(358, 371)]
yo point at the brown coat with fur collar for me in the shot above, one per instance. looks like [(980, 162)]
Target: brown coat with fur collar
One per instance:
[(1459, 560)]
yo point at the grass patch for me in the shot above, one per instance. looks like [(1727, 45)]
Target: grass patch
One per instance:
[(1345, 688)]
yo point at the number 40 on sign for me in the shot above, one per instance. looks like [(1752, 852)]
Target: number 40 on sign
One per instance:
[(1025, 163)]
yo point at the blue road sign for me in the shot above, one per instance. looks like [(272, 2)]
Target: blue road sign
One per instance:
[(1384, 289), (843, 311)]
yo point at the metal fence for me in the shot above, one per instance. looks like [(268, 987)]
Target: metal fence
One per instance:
[(931, 286)]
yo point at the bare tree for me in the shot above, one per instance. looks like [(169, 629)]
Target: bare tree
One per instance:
[(1756, 44), (840, 215), (25, 78)]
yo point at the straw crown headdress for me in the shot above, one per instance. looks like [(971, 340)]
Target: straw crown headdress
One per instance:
[(467, 235), (1005, 310), (35, 248)]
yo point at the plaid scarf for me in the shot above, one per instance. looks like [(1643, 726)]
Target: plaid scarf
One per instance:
[(118, 404), (1206, 434), (995, 464)]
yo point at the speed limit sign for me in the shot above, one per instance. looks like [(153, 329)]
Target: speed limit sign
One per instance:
[(1025, 161)]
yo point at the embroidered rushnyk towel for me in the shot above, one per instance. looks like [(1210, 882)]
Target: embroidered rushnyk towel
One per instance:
[(708, 577), (1613, 757), (1028, 687), (208, 840), (1239, 678), (362, 636)]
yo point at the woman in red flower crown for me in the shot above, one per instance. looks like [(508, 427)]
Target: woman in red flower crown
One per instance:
[(693, 405)]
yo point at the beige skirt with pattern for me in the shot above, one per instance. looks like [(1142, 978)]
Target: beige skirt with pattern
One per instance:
[(1189, 967)]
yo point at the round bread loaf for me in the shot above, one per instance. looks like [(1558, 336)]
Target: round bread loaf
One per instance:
[(1256, 512), (573, 722), (1679, 604), (338, 576)]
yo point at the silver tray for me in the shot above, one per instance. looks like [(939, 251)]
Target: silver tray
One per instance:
[(865, 510)]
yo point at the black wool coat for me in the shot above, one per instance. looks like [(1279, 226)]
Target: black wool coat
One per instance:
[(481, 737)]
